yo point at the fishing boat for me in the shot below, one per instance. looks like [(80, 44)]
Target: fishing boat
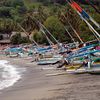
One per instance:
[(91, 65), (94, 69), (13, 52), (47, 59)]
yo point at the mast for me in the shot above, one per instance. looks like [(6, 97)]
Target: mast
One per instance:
[(76, 33), (41, 25), (49, 33), (92, 29), (84, 16), (50, 42), (69, 34), (74, 30), (89, 2), (27, 34), (76, 7)]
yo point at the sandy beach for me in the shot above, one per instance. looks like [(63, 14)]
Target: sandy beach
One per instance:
[(35, 85)]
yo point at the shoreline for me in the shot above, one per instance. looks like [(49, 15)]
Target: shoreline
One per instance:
[(35, 85), (19, 84), (9, 75)]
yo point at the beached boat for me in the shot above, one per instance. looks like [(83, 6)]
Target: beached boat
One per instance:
[(85, 62), (79, 68), (95, 69), (48, 59)]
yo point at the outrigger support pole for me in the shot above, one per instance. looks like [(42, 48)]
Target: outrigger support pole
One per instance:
[(76, 33), (49, 33), (27, 34), (69, 35), (74, 30), (90, 26), (50, 42)]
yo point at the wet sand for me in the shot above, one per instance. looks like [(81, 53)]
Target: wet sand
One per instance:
[(35, 85)]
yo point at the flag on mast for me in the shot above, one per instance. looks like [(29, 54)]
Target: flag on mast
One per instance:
[(82, 12), (84, 16)]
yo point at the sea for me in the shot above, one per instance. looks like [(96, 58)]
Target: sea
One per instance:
[(9, 74)]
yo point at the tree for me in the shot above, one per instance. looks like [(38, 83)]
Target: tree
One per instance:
[(16, 3), (18, 39), (1, 37), (55, 27), (5, 12), (7, 26), (45, 2), (39, 37), (86, 34), (29, 24)]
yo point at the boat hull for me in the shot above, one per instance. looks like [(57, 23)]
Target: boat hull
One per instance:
[(48, 61), (95, 69)]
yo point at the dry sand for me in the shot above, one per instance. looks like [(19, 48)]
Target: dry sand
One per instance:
[(35, 85)]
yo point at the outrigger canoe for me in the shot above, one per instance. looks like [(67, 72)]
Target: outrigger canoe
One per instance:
[(93, 65), (93, 70), (49, 60)]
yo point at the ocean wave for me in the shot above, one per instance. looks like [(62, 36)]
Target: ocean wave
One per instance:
[(10, 75)]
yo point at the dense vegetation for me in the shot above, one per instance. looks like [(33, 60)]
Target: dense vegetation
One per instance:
[(23, 15)]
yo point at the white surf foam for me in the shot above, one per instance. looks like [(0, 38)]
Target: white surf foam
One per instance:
[(9, 75)]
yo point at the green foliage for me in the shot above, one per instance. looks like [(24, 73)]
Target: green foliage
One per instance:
[(55, 27), (25, 40), (5, 12), (39, 37), (16, 3), (13, 12), (1, 37), (86, 34), (18, 39), (7, 25), (45, 2)]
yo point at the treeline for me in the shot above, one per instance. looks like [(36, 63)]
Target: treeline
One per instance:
[(96, 2), (23, 16)]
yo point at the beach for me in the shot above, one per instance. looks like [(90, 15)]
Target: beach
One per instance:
[(34, 84), (50, 50)]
